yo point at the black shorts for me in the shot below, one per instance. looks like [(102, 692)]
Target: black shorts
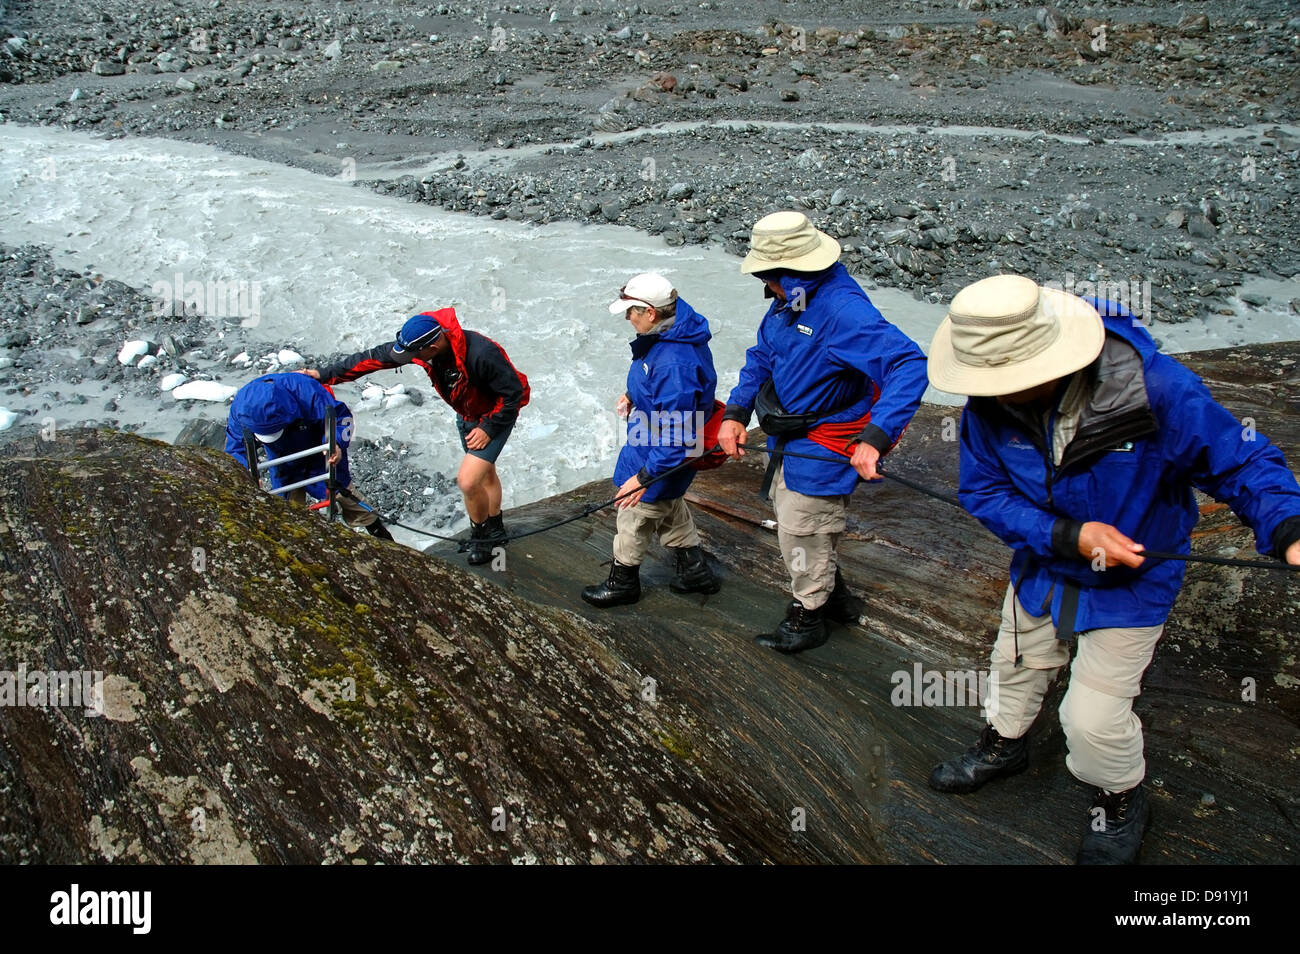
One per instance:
[(494, 447)]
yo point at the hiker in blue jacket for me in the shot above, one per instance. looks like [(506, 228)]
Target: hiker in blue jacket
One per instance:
[(827, 374), (285, 413), (1080, 447), (669, 398)]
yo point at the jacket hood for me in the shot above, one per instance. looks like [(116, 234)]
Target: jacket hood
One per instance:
[(806, 284), (263, 405), (446, 317), (690, 327), (1123, 323)]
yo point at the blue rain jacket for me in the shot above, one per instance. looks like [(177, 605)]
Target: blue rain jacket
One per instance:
[(671, 384), (832, 355), (298, 404), (1150, 433)]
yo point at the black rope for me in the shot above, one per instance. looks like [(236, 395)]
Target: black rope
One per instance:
[(947, 498), (586, 511)]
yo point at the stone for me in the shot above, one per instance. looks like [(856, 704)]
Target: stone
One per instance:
[(1053, 22), (108, 68), (203, 432)]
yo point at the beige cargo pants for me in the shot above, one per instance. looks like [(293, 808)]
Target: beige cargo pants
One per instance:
[(637, 526), (355, 514), (1102, 735), (808, 530)]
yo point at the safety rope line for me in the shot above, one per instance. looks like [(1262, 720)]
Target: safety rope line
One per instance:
[(947, 498)]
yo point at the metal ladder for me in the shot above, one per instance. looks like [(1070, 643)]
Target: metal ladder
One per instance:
[(257, 468)]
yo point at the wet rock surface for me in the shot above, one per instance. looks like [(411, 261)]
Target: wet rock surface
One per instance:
[(300, 693), (294, 691), (1220, 704)]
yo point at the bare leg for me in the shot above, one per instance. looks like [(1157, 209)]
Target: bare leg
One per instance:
[(493, 484), (476, 480)]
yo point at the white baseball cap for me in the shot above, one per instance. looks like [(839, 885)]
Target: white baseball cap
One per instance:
[(270, 438), (646, 290)]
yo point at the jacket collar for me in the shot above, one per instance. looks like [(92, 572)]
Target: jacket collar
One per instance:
[(1117, 409)]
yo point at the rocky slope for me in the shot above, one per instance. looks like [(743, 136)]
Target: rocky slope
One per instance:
[(280, 690)]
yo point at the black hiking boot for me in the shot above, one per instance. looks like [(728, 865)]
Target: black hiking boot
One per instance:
[(693, 573), (622, 587), (989, 758), (496, 531), (377, 529), (480, 545), (841, 607), (801, 629), (1116, 823)]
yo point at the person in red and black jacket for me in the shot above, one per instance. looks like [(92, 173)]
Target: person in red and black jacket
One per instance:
[(474, 375)]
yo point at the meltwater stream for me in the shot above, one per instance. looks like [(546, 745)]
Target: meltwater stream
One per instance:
[(339, 268)]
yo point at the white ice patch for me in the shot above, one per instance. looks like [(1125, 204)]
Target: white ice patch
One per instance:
[(7, 418), (172, 381), (203, 391), (289, 360), (131, 351)]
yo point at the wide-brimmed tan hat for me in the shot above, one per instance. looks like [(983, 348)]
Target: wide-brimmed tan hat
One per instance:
[(789, 240), (1007, 333)]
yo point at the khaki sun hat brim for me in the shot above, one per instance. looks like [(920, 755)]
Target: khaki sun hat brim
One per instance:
[(1079, 342), (826, 254)]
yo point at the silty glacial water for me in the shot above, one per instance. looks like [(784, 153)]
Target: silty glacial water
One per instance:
[(332, 267)]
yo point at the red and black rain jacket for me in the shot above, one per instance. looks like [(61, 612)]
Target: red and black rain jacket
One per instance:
[(480, 383)]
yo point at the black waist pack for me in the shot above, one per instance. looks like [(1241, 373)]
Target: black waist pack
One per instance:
[(775, 420)]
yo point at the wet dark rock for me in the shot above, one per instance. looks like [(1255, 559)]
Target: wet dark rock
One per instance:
[(1200, 226), (203, 432), (323, 697)]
